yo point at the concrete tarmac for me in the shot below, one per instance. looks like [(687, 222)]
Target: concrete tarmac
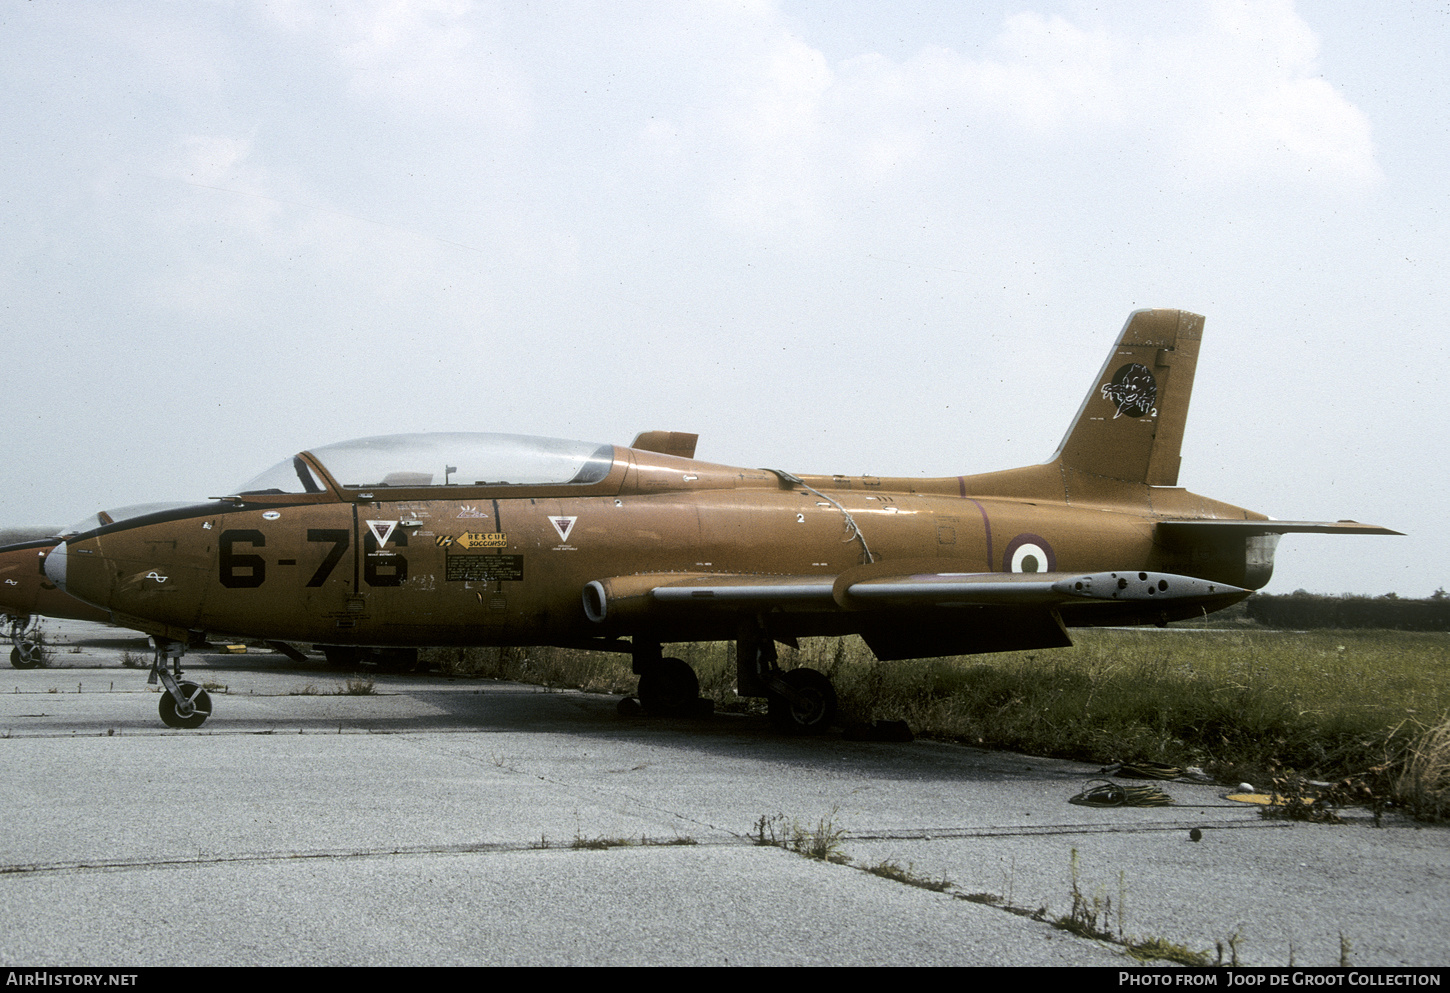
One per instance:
[(474, 822)]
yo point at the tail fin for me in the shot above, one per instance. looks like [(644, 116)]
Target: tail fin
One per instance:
[(1130, 427)]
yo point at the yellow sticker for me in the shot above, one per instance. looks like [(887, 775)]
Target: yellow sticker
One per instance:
[(479, 539)]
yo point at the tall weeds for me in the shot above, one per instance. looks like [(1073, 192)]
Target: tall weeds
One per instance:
[(1423, 785), (1253, 704)]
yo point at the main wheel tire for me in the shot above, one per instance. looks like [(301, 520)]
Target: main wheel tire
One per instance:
[(341, 656), (814, 709), (26, 660), (669, 687), (200, 708)]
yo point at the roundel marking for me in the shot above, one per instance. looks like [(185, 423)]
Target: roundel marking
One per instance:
[(1029, 553), (1133, 389)]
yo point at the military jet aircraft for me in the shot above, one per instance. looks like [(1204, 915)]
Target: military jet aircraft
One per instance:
[(391, 543), (26, 595), (24, 588)]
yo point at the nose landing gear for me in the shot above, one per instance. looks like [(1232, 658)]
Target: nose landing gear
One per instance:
[(24, 635), (184, 704)]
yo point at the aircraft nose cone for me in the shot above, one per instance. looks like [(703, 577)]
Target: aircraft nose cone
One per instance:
[(55, 565)]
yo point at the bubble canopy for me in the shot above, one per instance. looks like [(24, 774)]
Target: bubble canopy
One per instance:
[(117, 515), (411, 461)]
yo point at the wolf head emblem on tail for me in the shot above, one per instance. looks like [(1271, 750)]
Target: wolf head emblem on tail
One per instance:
[(1133, 389)]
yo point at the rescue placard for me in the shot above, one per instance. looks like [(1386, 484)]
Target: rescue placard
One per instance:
[(479, 539)]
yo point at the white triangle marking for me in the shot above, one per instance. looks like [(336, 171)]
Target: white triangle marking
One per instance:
[(563, 525), (382, 530)]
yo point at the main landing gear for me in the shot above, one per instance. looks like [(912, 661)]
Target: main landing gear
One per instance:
[(803, 701), (25, 636), (800, 701), (668, 687), (183, 704)]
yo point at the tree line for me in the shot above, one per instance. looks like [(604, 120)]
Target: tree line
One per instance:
[(1301, 610)]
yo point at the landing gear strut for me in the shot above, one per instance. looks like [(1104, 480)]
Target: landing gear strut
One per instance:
[(24, 635), (184, 704), (800, 701)]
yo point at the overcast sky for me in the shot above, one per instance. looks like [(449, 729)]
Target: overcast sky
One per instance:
[(827, 236)]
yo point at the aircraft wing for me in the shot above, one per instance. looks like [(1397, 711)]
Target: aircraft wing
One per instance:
[(878, 587), (1015, 589), (910, 609)]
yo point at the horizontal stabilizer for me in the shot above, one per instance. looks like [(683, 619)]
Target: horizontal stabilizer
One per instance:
[(1249, 529)]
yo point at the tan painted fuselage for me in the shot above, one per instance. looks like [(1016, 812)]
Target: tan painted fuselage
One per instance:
[(496, 566), (657, 546), (25, 591)]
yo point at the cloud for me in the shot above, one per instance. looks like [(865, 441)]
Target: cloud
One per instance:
[(1233, 97), (1050, 75), (1253, 105), (776, 125), (430, 55)]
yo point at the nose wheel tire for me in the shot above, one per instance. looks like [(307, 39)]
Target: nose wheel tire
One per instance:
[(813, 707), (192, 714), (28, 659)]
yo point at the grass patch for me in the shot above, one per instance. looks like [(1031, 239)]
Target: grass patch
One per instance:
[(599, 844), (1092, 918), (1095, 917), (1246, 704), (593, 672), (1423, 784), (357, 687), (1320, 703), (822, 842), (1161, 950), (907, 874)]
